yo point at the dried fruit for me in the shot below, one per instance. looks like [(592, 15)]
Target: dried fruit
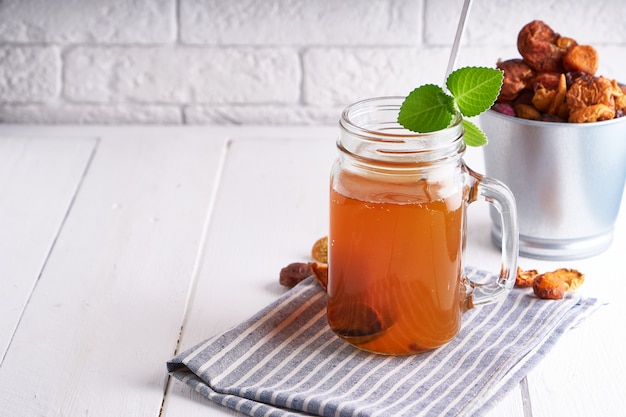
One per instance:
[(320, 270), (295, 272), (319, 252), (582, 58), (559, 106), (572, 278), (543, 98), (517, 77), (525, 278), (592, 99), (537, 43), (549, 286), (527, 111), (548, 80), (504, 108), (565, 43), (560, 75), (620, 99)]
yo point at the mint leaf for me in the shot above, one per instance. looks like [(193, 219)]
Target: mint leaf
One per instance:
[(473, 136), (475, 89), (426, 109)]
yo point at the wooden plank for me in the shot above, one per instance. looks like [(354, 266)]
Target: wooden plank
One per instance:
[(265, 217), (107, 311), (38, 180)]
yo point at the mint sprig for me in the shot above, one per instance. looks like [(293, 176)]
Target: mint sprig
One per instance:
[(472, 91)]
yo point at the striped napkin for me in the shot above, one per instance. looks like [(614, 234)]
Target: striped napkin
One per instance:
[(285, 360)]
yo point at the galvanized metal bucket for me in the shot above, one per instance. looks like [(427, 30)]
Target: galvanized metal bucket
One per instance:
[(567, 178)]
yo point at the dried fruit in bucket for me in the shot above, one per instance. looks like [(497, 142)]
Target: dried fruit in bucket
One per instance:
[(592, 99), (560, 76), (537, 43), (583, 58), (518, 77)]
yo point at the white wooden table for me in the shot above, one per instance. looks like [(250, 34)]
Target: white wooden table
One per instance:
[(120, 246)]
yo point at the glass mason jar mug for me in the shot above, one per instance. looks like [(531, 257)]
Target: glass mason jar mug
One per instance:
[(398, 203)]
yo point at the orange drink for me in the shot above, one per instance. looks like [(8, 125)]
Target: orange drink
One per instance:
[(396, 268), (398, 204)]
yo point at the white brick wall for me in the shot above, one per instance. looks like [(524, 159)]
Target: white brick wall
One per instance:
[(257, 61)]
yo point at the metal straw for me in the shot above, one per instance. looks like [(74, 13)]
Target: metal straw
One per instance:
[(457, 38)]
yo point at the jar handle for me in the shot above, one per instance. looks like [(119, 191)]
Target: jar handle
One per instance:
[(497, 194)]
